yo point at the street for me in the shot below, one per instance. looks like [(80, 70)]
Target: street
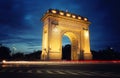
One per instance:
[(82, 70)]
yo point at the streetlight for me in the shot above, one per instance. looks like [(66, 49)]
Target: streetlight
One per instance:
[(14, 48)]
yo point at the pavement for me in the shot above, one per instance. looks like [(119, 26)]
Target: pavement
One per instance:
[(67, 70)]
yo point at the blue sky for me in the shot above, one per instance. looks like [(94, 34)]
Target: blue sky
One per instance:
[(20, 24)]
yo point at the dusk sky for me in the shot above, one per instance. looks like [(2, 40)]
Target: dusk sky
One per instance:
[(20, 24)]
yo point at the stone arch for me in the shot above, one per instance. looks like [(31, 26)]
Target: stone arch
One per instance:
[(76, 28)]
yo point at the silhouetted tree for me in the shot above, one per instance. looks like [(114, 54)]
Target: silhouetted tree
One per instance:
[(4, 52), (33, 56), (66, 52), (106, 54), (18, 56), (0, 44)]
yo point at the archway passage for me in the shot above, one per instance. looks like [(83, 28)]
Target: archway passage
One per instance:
[(73, 48), (59, 23), (66, 48)]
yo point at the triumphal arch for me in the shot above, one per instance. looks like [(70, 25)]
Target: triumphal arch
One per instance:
[(58, 23)]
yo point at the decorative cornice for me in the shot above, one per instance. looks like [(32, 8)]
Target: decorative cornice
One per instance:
[(67, 14)]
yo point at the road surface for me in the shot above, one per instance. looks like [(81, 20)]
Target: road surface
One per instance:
[(54, 70)]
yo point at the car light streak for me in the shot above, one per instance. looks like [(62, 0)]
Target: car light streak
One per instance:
[(57, 62)]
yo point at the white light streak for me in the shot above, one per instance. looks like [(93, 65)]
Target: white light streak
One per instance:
[(55, 62)]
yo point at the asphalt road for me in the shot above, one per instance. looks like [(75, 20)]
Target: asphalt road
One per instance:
[(104, 70)]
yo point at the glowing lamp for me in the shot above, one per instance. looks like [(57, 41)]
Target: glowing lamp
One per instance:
[(85, 19), (55, 29), (54, 11), (86, 34), (68, 14), (61, 13), (79, 18), (4, 61), (73, 16)]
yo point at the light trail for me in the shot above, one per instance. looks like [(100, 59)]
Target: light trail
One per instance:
[(56, 62)]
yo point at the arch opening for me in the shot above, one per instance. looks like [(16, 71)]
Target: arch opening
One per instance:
[(69, 51), (66, 48)]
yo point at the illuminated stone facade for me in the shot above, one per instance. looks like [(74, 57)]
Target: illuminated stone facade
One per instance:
[(58, 23)]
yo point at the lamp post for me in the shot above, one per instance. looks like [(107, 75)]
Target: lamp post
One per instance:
[(14, 48)]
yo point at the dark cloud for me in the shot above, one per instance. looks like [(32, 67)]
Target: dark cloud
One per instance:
[(11, 39), (11, 14), (104, 16)]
